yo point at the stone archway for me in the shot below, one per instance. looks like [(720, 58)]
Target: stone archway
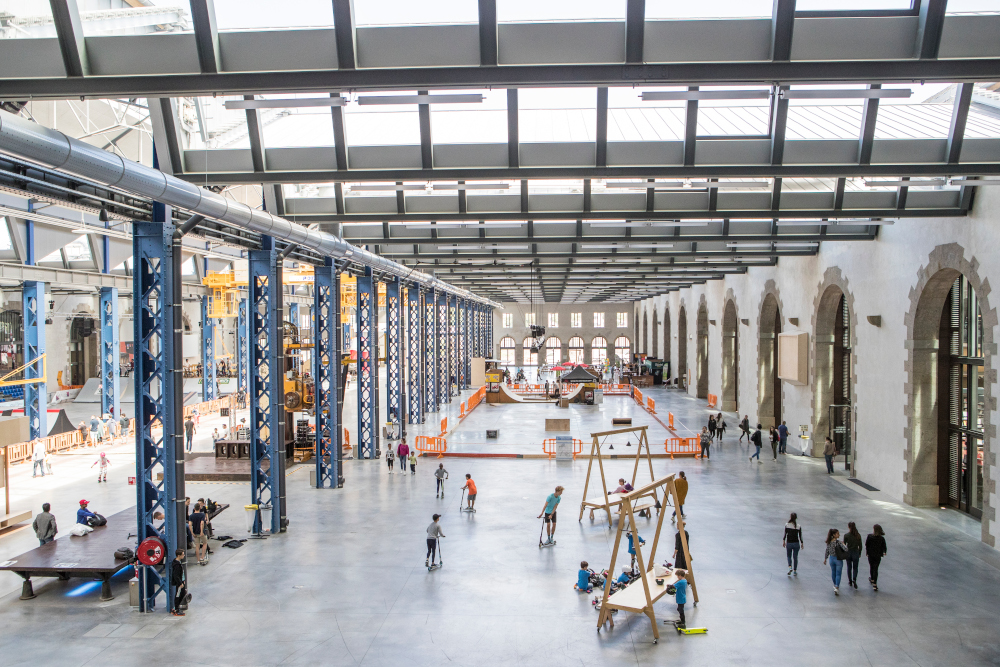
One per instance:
[(833, 353), (730, 357), (682, 347), (924, 382), (702, 348), (768, 385)]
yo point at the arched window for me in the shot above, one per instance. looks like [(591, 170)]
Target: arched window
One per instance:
[(553, 350), (598, 351), (622, 349), (508, 347), (530, 356), (576, 350)]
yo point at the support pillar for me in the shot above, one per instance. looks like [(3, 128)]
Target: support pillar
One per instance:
[(463, 381), (368, 440), (415, 363), (444, 376), (35, 394), (242, 348), (110, 353), (267, 411), (393, 352), (159, 412), (475, 331), (454, 373), (207, 350), (489, 331), (326, 371), (430, 353)]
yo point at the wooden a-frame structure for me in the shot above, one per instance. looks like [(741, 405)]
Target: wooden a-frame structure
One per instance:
[(607, 501)]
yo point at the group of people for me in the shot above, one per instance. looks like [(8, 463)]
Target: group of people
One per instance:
[(777, 436), (103, 428), (405, 455), (46, 528), (839, 551)]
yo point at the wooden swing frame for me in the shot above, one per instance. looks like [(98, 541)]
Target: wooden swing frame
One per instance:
[(615, 500), (628, 599)]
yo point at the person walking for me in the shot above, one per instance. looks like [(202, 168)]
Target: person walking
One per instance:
[(836, 554), (829, 451), (196, 522), (711, 426), (681, 488), (745, 428), (756, 440), (37, 457), (706, 443), (679, 558), (178, 579), (720, 426), (876, 549), (773, 433), (549, 512), (102, 472), (44, 526), (413, 462), (783, 438), (390, 458), (402, 452), (189, 433), (440, 475), (853, 542), (433, 533), (792, 541), (95, 430)]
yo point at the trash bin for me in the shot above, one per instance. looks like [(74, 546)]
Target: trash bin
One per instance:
[(265, 518), (251, 513), (133, 591)]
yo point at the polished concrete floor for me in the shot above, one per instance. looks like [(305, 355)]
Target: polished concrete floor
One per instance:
[(346, 584)]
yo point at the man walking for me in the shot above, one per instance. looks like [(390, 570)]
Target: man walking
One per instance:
[(95, 430), (745, 427), (756, 440), (45, 526), (829, 451), (37, 457), (188, 434), (782, 438), (196, 521), (179, 581)]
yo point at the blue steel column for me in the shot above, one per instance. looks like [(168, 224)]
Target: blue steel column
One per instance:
[(393, 351), (326, 371), (158, 398), (454, 370), (475, 331), (368, 367), (207, 350), (267, 412), (293, 313), (414, 366), (35, 394), (489, 331), (110, 352), (242, 347), (431, 400), (444, 396)]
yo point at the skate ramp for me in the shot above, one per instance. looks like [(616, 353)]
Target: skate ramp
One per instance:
[(507, 396), (91, 392)]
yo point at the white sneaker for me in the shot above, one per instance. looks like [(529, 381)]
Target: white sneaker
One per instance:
[(836, 590), (789, 572)]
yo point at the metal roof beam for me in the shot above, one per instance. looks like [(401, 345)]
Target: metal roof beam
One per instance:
[(69, 29), (959, 118), (635, 30), (255, 129), (869, 117), (513, 145), (690, 130), (206, 35), (602, 127), (930, 28), (339, 135), (166, 143), (782, 22), (343, 24), (426, 143), (488, 33), (779, 121)]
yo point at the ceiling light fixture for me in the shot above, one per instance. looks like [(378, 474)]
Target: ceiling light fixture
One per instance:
[(672, 95), (624, 246), (973, 182), (847, 94), (289, 103), (482, 247), (649, 223), (470, 186), (421, 98), (390, 187), (931, 182)]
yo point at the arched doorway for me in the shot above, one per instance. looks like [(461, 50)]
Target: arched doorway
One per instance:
[(508, 351), (730, 359), (83, 352), (769, 386), (576, 349), (598, 351), (553, 350), (623, 350), (682, 348), (645, 332), (702, 351), (656, 334), (832, 374)]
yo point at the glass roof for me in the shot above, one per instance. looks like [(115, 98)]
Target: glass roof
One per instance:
[(121, 17), (707, 9), (271, 15), (560, 10)]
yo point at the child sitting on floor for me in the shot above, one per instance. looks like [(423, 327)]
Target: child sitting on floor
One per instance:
[(626, 576), (583, 579)]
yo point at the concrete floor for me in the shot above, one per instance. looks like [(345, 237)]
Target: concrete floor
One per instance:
[(346, 584)]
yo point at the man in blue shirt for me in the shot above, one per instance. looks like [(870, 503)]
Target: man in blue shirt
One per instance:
[(782, 438), (83, 513), (549, 511), (681, 586)]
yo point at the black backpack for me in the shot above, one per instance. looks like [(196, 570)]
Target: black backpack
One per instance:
[(96, 520), (125, 554)]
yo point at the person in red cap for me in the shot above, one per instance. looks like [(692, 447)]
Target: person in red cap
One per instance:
[(83, 513)]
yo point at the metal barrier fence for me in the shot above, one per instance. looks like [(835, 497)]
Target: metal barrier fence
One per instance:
[(427, 445), (683, 447), (549, 447)]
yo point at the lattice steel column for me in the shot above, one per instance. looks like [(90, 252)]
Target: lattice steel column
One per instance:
[(475, 331), (207, 350), (326, 371), (267, 408), (460, 343), (393, 352), (159, 411), (242, 347), (489, 331), (430, 353), (415, 365), (368, 441), (453, 370), (444, 378), (35, 395), (110, 352)]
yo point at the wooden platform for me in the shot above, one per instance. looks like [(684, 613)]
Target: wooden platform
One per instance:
[(91, 556), (8, 520), (211, 469), (633, 596)]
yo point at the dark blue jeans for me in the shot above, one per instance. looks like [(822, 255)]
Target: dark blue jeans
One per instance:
[(853, 559), (792, 552), (829, 463), (836, 569)]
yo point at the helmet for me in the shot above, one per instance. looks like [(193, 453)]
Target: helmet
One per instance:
[(102, 455), (84, 503), (626, 569)]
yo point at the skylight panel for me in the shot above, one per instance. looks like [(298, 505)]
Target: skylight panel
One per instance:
[(484, 123), (557, 114), (78, 250), (708, 9), (27, 19), (973, 7), (154, 17), (271, 15), (852, 5), (510, 11), (368, 13)]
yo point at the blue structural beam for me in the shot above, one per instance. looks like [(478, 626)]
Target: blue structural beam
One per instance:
[(454, 374), (444, 376), (368, 443), (242, 347), (463, 367), (208, 379), (475, 331), (159, 410), (393, 352), (110, 352), (326, 371), (489, 332), (35, 395), (267, 412), (431, 400), (414, 353)]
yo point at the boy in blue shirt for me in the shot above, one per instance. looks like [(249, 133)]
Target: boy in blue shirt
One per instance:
[(681, 596), (625, 576), (583, 579), (549, 511), (83, 513), (631, 547)]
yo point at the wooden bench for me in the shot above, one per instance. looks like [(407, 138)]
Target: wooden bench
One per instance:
[(621, 421), (8, 520)]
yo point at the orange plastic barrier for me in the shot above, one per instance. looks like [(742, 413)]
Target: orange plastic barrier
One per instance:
[(637, 395), (617, 389), (476, 399), (461, 413), (431, 445), (713, 400), (650, 405), (683, 447), (670, 420), (444, 426), (549, 447)]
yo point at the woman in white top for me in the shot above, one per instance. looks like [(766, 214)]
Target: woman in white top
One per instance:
[(792, 541)]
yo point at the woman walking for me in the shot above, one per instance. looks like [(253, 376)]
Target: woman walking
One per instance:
[(745, 428), (853, 542), (720, 426), (706, 443), (792, 541), (774, 442), (711, 426), (876, 549), (836, 554)]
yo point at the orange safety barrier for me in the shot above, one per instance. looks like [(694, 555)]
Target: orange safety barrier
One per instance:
[(617, 389), (54, 444), (461, 413), (683, 447), (713, 400), (431, 445), (549, 447), (444, 426), (637, 395), (650, 405), (670, 420), (476, 399)]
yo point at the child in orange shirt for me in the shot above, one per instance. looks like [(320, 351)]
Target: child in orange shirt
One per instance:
[(471, 486)]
